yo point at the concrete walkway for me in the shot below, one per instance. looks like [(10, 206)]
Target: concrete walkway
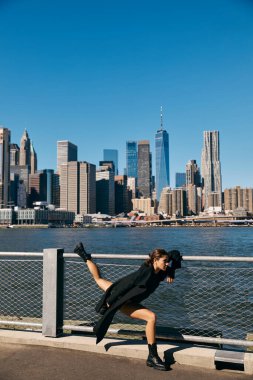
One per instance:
[(29, 355), (25, 362)]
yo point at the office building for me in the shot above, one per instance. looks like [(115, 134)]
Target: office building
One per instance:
[(107, 165), (123, 195), (14, 154), (192, 174), (180, 180), (211, 170), (21, 195), (5, 137), (147, 206), (194, 199), (131, 159), (164, 206), (193, 188), (162, 159), (131, 184), (112, 155), (238, 198), (173, 202), (37, 187), (66, 152), (78, 187), (105, 190), (144, 169), (23, 174), (45, 187)]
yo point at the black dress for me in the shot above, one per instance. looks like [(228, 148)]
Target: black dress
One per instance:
[(133, 288)]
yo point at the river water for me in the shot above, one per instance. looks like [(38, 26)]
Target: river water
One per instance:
[(234, 241)]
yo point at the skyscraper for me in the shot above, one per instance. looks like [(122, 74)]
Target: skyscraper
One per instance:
[(112, 155), (78, 187), (25, 150), (33, 159), (144, 168), (105, 189), (66, 152), (131, 159), (211, 169), (193, 187), (5, 136), (122, 195), (14, 154), (162, 159), (192, 173)]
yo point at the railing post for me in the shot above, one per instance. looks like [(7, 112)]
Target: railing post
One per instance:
[(52, 318)]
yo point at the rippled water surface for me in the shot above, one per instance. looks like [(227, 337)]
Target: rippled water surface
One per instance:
[(234, 241)]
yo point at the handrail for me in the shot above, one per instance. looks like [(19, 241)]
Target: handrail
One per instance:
[(22, 254), (135, 256), (185, 258)]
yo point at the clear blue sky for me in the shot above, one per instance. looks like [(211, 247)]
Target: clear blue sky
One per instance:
[(97, 72)]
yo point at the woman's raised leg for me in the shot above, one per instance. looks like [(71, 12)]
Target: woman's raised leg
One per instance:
[(95, 272), (93, 268)]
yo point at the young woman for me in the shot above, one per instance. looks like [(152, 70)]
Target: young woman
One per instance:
[(127, 293)]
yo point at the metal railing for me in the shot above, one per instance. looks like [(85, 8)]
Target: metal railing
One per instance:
[(21, 277), (210, 301)]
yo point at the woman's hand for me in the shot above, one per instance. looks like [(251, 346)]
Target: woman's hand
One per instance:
[(170, 280)]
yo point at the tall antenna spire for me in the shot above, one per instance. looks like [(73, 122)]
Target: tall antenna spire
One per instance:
[(161, 118)]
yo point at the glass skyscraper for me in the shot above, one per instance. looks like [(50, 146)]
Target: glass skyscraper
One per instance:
[(131, 159), (180, 179), (112, 155), (162, 160)]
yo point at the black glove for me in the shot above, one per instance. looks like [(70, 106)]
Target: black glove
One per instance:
[(176, 259)]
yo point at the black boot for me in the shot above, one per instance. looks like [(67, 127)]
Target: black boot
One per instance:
[(153, 359), (79, 249)]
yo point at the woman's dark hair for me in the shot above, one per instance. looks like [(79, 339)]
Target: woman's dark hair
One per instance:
[(155, 255)]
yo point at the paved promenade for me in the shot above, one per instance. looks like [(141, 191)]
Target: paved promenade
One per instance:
[(26, 362), (26, 355)]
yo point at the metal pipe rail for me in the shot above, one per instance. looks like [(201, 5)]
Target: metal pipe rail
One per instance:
[(185, 258), (183, 338), (15, 323), (134, 257), (21, 254)]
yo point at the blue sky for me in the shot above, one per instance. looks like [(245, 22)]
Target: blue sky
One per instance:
[(96, 73)]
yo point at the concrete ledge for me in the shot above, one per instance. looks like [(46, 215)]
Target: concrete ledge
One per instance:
[(196, 356), (248, 363), (181, 353)]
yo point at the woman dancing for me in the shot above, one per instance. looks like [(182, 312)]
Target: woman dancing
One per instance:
[(127, 293)]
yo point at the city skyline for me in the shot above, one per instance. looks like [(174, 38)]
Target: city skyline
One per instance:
[(15, 146), (97, 74)]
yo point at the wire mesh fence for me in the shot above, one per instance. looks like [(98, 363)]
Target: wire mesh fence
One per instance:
[(206, 299), (212, 300), (21, 290)]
